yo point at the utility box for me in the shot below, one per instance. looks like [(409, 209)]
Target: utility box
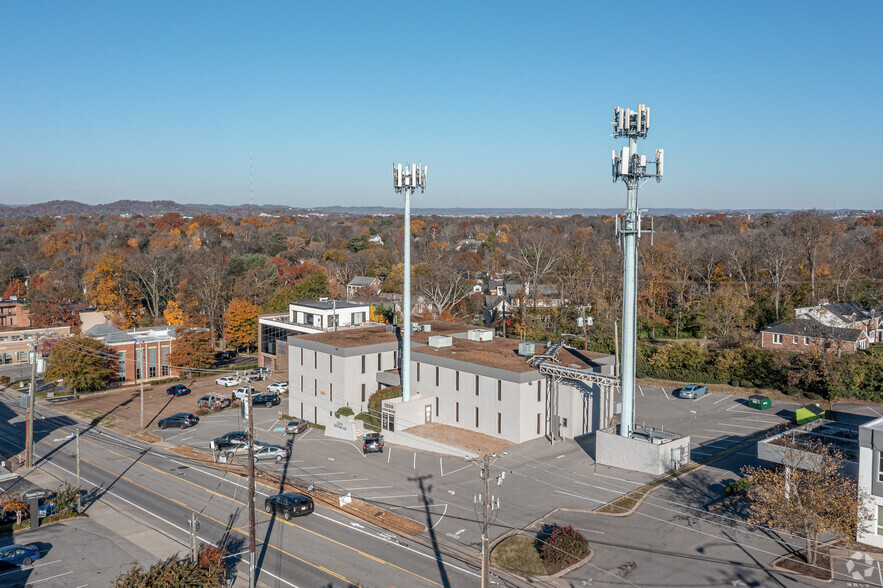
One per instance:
[(480, 335), (440, 341), (809, 413)]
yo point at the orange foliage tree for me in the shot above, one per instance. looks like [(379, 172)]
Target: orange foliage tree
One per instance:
[(241, 324), (110, 290), (15, 288)]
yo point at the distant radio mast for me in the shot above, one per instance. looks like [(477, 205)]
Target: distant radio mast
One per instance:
[(251, 183)]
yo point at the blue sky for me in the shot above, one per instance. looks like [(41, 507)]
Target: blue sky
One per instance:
[(757, 104)]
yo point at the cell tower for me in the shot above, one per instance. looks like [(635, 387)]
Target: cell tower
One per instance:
[(631, 168), (406, 180)]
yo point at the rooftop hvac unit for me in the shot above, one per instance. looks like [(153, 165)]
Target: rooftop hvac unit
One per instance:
[(440, 341), (526, 348), (427, 328), (480, 335)]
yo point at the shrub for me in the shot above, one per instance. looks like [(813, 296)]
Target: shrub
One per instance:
[(366, 421), (746, 384), (344, 411), (375, 402), (738, 486), (209, 571), (564, 545), (66, 497), (5, 380)]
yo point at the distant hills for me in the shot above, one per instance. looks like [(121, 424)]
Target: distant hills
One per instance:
[(160, 207)]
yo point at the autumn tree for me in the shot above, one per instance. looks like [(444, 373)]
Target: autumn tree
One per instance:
[(82, 362), (153, 275), (192, 349), (15, 288), (208, 571), (808, 495), (722, 313), (109, 289), (241, 324), (11, 502)]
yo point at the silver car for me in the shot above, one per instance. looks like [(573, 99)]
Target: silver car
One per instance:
[(296, 426), (276, 452), (241, 448)]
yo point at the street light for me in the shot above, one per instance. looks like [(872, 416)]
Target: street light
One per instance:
[(406, 180)]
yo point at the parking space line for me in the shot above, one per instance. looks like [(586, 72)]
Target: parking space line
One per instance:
[(641, 390), (722, 399), (457, 470), (388, 455), (739, 426), (700, 398), (621, 480), (415, 460), (273, 426), (49, 578), (724, 432), (715, 446), (441, 466), (25, 569), (756, 420), (385, 496), (666, 394), (369, 488)]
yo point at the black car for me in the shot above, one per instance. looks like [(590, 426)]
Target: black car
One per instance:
[(178, 390), (229, 440), (181, 419), (289, 504), (372, 442), (267, 398)]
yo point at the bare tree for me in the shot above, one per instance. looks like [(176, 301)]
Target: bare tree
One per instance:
[(539, 253), (442, 285), (777, 260), (814, 232), (154, 276)]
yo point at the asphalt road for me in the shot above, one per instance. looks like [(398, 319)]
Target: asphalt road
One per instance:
[(323, 549)]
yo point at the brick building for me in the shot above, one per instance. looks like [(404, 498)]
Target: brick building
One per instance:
[(141, 353), (14, 314), (803, 335)]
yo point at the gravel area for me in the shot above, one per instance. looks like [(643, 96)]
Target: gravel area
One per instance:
[(471, 441)]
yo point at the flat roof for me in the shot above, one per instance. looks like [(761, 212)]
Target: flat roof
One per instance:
[(503, 354), (357, 337), (325, 304)]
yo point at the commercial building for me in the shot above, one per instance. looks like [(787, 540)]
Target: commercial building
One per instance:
[(460, 376), (141, 353)]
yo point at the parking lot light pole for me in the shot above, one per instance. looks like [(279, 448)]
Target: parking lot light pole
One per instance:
[(251, 527), (29, 453), (79, 492)]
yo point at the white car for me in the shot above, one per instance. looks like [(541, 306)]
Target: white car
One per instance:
[(278, 387), (242, 393), (227, 381)]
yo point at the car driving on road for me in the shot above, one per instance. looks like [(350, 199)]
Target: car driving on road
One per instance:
[(278, 387), (181, 419), (693, 391), (276, 452), (227, 381), (178, 390), (20, 555), (289, 504)]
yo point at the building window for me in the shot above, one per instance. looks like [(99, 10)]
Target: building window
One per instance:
[(880, 520), (777, 339), (164, 361), (363, 364), (539, 423), (499, 423), (540, 391), (457, 381), (418, 371), (359, 317), (379, 362), (457, 412), (395, 360), (330, 391), (315, 387), (436, 378), (363, 392), (806, 340), (499, 391), (436, 406), (121, 365), (794, 340), (301, 356), (315, 360), (330, 364), (476, 417), (476, 385), (302, 385), (880, 466)]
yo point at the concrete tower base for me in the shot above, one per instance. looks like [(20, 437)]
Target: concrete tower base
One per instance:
[(650, 451)]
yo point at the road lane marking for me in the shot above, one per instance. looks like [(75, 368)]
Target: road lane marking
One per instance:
[(360, 552), (722, 399)]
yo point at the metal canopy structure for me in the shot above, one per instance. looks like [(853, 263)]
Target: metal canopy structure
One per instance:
[(546, 364)]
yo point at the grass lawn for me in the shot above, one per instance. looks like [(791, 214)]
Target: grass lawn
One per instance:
[(518, 554), (97, 417)]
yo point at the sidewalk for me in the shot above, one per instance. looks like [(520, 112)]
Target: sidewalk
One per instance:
[(129, 528)]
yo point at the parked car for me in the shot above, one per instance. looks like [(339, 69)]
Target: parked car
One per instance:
[(258, 374), (227, 381), (213, 402), (20, 555), (276, 452), (226, 354), (278, 387), (8, 517), (228, 439), (241, 448), (693, 391), (178, 390), (296, 426), (267, 399), (240, 393), (372, 442), (180, 419), (289, 504)]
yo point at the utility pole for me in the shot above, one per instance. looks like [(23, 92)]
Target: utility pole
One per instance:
[(29, 452), (251, 528), (79, 492), (489, 505), (193, 528), (406, 181), (141, 369)]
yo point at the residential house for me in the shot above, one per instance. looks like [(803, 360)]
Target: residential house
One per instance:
[(803, 335), (845, 315), (368, 285)]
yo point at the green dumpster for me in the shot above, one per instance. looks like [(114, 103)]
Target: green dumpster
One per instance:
[(759, 402), (809, 413)]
